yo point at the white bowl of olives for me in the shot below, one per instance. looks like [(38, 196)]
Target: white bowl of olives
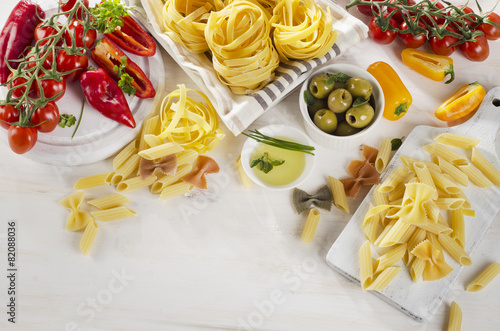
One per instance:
[(341, 104)]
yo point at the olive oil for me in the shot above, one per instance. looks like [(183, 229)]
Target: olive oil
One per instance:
[(284, 174)]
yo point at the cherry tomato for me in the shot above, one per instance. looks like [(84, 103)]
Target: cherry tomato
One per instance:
[(44, 32), (382, 37), (367, 9), (411, 41), (51, 87), (46, 118), (476, 50), (467, 10), (490, 31), (17, 91), (67, 62), (47, 64), (443, 46), (69, 4), (398, 16), (438, 20), (75, 28), (9, 114), (22, 139)]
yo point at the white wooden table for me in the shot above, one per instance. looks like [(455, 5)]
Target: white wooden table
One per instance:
[(228, 259)]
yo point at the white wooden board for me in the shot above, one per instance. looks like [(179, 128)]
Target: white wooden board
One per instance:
[(421, 300)]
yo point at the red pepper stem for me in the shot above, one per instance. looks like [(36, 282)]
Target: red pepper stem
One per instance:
[(449, 71)]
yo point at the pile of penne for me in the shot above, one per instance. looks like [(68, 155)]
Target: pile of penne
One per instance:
[(406, 213)]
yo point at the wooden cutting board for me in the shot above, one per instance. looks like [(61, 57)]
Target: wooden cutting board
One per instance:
[(421, 300)]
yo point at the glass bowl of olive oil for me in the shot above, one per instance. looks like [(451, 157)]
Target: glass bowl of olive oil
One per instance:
[(273, 167)]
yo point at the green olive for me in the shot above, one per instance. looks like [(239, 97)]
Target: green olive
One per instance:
[(339, 100), (339, 85), (317, 105), (318, 87), (325, 120), (361, 116), (359, 87), (344, 129)]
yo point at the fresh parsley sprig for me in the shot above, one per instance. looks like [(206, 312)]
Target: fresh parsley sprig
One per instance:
[(108, 15), (125, 82), (283, 144)]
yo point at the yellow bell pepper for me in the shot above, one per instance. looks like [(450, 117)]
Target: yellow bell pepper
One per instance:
[(435, 67), (466, 99), (397, 97)]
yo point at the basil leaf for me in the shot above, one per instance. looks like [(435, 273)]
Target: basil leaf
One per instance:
[(396, 143), (341, 77), (330, 80), (309, 98), (277, 162), (359, 101), (267, 167), (401, 109), (255, 162)]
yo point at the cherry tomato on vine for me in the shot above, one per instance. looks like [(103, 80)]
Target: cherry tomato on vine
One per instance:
[(44, 32), (17, 91), (398, 16), (46, 118), (443, 46), (9, 114), (367, 9), (47, 64), (76, 29), (382, 37), (69, 4), (438, 20), (67, 62), (477, 51), (411, 41), (467, 10), (51, 87), (22, 139), (490, 31)]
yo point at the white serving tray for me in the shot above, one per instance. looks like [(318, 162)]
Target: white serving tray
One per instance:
[(421, 300)]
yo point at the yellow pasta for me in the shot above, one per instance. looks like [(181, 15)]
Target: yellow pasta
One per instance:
[(160, 151), (152, 140), (392, 181), (397, 234), (175, 190), (384, 279), (462, 195), (433, 239), (475, 176), (186, 156), (366, 265), (445, 153), (384, 233), (125, 154), (454, 249), (150, 127), (302, 30), (338, 193), (78, 219), (370, 226), (432, 210), (485, 166), (449, 203), (245, 180), (455, 319), (410, 161), (416, 238), (453, 171), (469, 212), (435, 228), (135, 183), (379, 197), (123, 172), (457, 140), (91, 181), (88, 237), (417, 269), (444, 183), (424, 176), (109, 201), (388, 259), (484, 278), (165, 181), (311, 225), (383, 155), (113, 214)]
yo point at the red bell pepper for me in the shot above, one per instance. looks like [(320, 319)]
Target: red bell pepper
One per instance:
[(133, 38), (102, 93), (17, 34), (107, 54)]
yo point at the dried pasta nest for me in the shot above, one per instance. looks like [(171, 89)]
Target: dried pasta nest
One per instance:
[(267, 5), (302, 30), (185, 21), (238, 36)]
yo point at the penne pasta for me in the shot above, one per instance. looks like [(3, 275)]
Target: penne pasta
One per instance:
[(485, 166), (174, 190), (468, 212), (370, 226), (384, 279), (445, 184), (458, 226), (123, 172), (383, 155), (445, 153), (424, 176), (160, 151), (384, 233), (152, 140), (484, 278), (454, 249), (456, 140), (88, 237), (125, 154), (113, 214), (455, 320), (311, 225), (134, 183), (91, 181), (366, 265), (186, 157), (150, 126), (462, 195), (416, 238), (109, 201), (455, 173), (379, 197), (338, 192), (449, 203), (435, 242), (435, 228), (393, 180), (417, 269), (475, 176), (409, 163), (165, 181), (432, 210), (388, 259)]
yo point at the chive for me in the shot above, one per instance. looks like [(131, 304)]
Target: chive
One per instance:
[(279, 143)]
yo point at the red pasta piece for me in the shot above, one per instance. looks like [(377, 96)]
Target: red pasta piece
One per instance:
[(204, 165), (370, 153), (167, 165), (367, 175)]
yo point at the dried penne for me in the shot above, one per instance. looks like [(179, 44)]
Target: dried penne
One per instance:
[(175, 190), (91, 181), (484, 278), (455, 320), (152, 140), (109, 201), (458, 226), (456, 140), (150, 127), (186, 156), (449, 203), (453, 171), (243, 176), (134, 183), (388, 259), (445, 153), (392, 181), (338, 193), (370, 226), (432, 210), (383, 155), (416, 238), (384, 279), (417, 269), (163, 182), (485, 166), (160, 151), (113, 214), (88, 237), (311, 225), (125, 154), (475, 176), (424, 176), (454, 249), (410, 161), (366, 265), (468, 212), (444, 183), (435, 228), (384, 233), (124, 171)]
